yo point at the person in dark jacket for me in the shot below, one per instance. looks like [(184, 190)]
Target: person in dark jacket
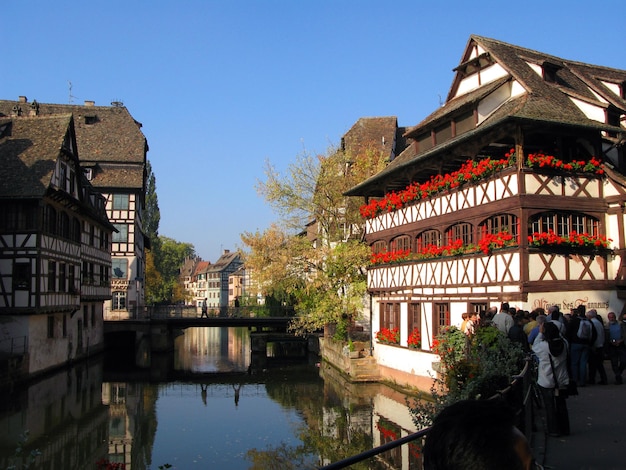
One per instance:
[(579, 348), (516, 333)]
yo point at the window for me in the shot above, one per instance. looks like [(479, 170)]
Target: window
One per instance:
[(441, 317), (562, 224), (120, 202), (64, 225), (424, 142), (76, 230), (104, 239), (50, 220), (92, 235), (443, 133), (477, 307), (379, 246), (121, 236), (403, 242), (18, 216), (63, 176), (85, 272), (462, 231), (65, 326), (414, 318), (52, 275), (93, 315), (118, 301), (85, 319), (71, 278), (21, 276), (120, 268), (464, 123), (499, 223), (550, 72), (613, 118), (62, 278), (50, 327), (390, 315), (428, 238)]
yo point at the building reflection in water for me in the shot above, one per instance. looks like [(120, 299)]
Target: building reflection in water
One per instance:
[(212, 350), (76, 419), (64, 417)]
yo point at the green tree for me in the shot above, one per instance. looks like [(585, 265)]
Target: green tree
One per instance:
[(168, 256), (324, 267), (151, 214)]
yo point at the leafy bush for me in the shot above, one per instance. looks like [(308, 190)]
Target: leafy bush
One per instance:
[(471, 368)]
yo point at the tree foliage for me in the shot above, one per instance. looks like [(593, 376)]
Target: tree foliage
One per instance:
[(151, 214), (322, 267), (167, 256), (475, 367)]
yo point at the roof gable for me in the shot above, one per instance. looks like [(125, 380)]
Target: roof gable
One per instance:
[(495, 85), (29, 150)]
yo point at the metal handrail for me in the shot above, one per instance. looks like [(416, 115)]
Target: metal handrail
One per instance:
[(192, 311), (527, 425)]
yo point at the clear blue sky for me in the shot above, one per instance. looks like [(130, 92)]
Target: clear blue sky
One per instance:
[(223, 86)]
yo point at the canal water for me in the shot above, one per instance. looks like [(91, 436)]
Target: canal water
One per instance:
[(209, 405)]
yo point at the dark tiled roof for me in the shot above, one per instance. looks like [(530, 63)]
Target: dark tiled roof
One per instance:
[(104, 134), (223, 262), (29, 150), (108, 176), (542, 103), (372, 133)]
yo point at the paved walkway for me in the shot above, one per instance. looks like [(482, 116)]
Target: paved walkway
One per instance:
[(598, 432)]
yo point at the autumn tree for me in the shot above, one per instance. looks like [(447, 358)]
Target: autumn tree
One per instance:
[(322, 266)]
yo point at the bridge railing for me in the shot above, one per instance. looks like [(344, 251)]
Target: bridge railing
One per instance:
[(191, 311)]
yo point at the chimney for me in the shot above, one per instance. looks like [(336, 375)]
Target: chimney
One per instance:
[(23, 99), (90, 103), (34, 108)]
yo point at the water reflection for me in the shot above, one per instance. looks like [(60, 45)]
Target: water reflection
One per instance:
[(221, 413)]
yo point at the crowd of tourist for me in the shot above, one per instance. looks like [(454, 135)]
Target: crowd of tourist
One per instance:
[(569, 350), (590, 338)]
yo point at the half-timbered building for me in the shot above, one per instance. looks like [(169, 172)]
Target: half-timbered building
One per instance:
[(55, 239), (113, 156), (513, 191)]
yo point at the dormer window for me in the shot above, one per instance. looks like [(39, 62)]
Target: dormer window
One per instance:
[(549, 72), (475, 64), (613, 119), (92, 119)]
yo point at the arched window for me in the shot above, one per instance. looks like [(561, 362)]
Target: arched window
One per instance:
[(76, 230), (427, 238), (379, 246), (461, 231), (51, 220), (499, 223), (563, 223), (403, 242), (64, 225)]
